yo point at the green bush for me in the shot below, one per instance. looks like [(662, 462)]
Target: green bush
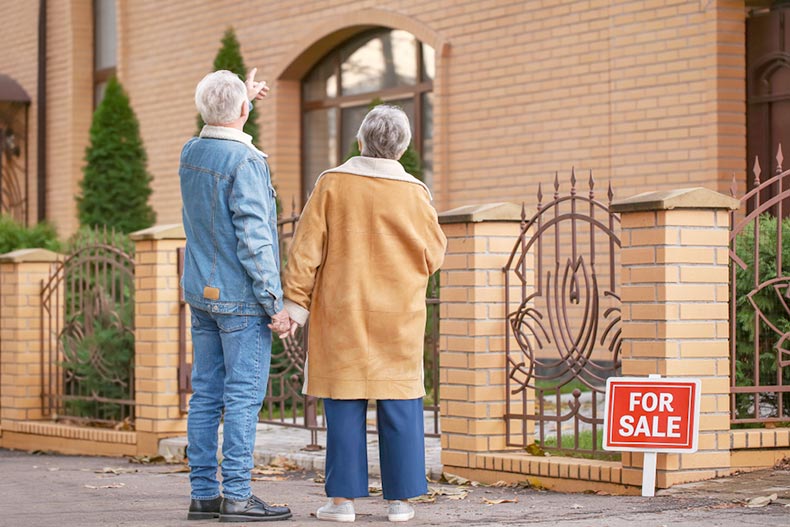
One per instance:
[(771, 306), (116, 183), (229, 58), (15, 236)]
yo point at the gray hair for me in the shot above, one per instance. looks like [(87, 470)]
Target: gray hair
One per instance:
[(385, 132), (219, 97)]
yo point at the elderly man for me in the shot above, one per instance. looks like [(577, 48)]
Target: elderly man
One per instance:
[(232, 284)]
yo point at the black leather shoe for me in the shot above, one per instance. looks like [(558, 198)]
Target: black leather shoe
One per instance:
[(251, 510), (204, 509)]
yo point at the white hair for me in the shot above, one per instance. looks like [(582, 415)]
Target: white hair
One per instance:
[(219, 97), (385, 132)]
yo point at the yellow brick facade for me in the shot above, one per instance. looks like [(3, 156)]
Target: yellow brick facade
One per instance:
[(648, 94)]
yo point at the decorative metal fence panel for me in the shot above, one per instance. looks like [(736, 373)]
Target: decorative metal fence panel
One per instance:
[(563, 321), (284, 403), (14, 160), (759, 300), (87, 333)]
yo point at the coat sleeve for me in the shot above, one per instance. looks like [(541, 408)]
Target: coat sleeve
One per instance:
[(306, 255), (251, 205), (435, 244)]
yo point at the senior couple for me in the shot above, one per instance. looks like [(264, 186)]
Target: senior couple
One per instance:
[(367, 241)]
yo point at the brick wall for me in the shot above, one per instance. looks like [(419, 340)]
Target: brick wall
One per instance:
[(647, 93)]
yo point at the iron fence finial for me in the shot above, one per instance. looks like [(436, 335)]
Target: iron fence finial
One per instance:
[(757, 171), (779, 159), (591, 182), (556, 185)]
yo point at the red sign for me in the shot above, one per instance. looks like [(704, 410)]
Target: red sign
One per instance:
[(651, 414)]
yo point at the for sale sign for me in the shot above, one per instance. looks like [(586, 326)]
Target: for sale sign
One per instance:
[(651, 414)]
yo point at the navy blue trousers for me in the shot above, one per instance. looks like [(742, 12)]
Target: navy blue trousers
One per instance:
[(401, 448)]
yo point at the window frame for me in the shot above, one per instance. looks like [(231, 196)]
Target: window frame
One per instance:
[(339, 102)]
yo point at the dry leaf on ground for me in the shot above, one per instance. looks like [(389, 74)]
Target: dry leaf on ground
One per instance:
[(116, 470), (452, 479), (761, 501), (268, 478), (319, 478), (500, 501), (110, 486)]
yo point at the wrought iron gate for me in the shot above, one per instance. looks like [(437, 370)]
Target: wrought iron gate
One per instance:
[(87, 333), (759, 300), (563, 313)]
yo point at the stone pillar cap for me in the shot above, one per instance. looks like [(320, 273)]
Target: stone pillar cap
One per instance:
[(684, 198), (173, 231), (30, 256), (479, 213)]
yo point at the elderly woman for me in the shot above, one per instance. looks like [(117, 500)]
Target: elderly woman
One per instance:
[(366, 244)]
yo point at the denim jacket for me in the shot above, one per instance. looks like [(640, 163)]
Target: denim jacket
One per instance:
[(232, 262)]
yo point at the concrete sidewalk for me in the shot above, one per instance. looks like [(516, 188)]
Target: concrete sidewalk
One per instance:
[(272, 441), (64, 491)]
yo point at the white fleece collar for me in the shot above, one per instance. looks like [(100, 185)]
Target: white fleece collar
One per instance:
[(378, 168), (229, 134)]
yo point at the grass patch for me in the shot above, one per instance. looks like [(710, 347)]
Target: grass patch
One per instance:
[(548, 384), (585, 447)]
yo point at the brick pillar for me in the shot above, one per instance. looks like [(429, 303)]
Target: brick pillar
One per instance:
[(675, 297), (156, 333), (472, 343), (22, 273)]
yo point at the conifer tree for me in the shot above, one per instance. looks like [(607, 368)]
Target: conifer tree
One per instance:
[(229, 58), (410, 160), (116, 184)]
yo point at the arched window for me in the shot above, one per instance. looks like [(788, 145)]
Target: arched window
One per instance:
[(386, 64)]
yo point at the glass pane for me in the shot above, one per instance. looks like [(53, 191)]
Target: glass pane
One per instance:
[(105, 36), (427, 139), (320, 145), (321, 83), (378, 61), (428, 63), (352, 118), (98, 93)]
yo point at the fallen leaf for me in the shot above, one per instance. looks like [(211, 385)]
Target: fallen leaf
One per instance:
[(53, 469), (268, 471), (145, 460), (110, 486), (375, 491), (761, 501), (457, 496), (500, 501), (500, 483), (115, 470), (452, 479), (178, 470), (268, 478), (423, 499), (284, 463), (576, 506), (535, 449), (319, 478)]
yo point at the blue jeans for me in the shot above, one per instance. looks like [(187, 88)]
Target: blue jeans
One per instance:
[(230, 370)]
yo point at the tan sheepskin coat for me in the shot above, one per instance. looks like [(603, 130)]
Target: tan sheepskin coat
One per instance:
[(366, 243)]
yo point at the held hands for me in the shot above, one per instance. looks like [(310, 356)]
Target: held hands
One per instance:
[(255, 90), (283, 325)]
